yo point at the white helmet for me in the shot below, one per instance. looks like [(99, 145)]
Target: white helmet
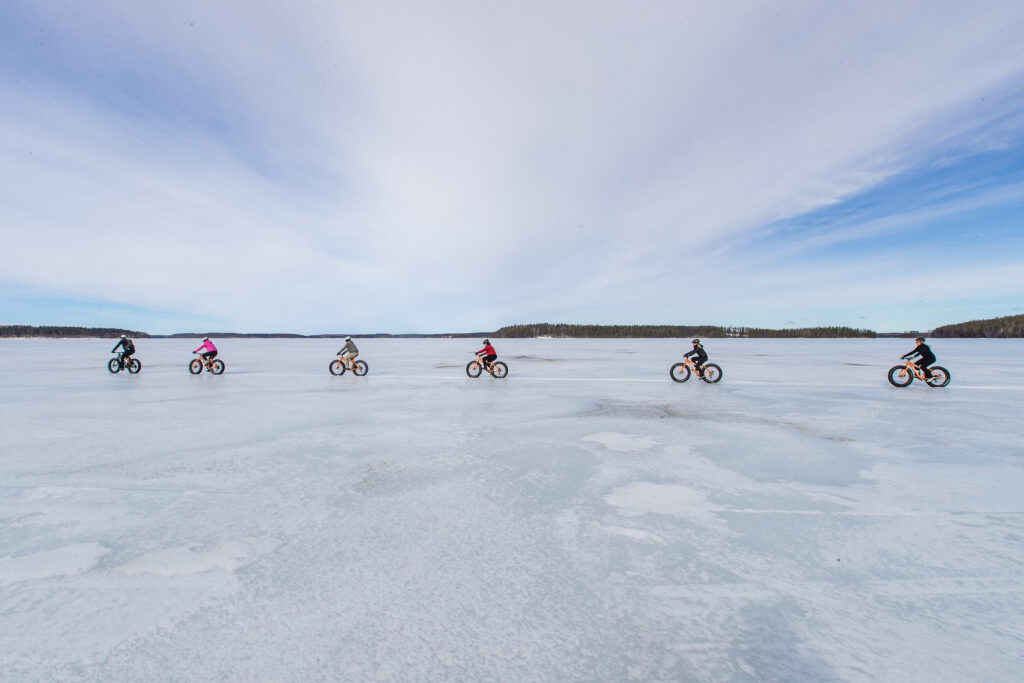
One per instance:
[(348, 338)]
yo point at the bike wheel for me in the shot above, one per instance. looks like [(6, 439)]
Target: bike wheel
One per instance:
[(712, 373), (473, 368), (217, 367), (336, 367), (196, 366), (361, 368), (114, 366), (499, 369), (940, 376), (679, 372), (134, 365), (899, 376)]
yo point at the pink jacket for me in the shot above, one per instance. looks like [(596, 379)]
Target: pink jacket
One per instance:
[(208, 345)]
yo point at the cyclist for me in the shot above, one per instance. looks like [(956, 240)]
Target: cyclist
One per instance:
[(349, 350), (488, 354), (127, 345), (211, 351), (926, 357), (701, 356)]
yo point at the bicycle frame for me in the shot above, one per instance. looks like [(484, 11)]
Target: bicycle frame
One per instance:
[(350, 363), (206, 362), (915, 370)]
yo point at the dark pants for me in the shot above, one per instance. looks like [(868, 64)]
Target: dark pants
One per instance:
[(490, 358), (209, 355), (924, 369), (125, 357)]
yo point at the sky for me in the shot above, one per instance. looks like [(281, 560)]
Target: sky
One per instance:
[(342, 167)]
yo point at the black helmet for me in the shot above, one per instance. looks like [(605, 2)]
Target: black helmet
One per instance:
[(920, 339), (487, 341), (695, 341)]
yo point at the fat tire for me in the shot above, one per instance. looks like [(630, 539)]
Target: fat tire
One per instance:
[(712, 373), (134, 365), (217, 367), (361, 368), (196, 366), (679, 372), (897, 381), (473, 368), (337, 368), (114, 366), (942, 373), (499, 369)]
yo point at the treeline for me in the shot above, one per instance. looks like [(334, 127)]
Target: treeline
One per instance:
[(238, 335), (53, 332), (670, 331), (1008, 326), (289, 335)]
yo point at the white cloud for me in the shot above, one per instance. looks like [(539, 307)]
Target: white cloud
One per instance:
[(458, 166)]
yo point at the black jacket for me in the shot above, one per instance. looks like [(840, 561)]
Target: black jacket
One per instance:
[(927, 357), (698, 351), (127, 344)]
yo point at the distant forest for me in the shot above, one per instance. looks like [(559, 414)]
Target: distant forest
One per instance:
[(51, 332), (1009, 326), (670, 331)]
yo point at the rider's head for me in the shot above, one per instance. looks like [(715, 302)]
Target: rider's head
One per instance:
[(920, 340), (696, 342), (206, 339), (487, 341), (124, 336), (348, 338)]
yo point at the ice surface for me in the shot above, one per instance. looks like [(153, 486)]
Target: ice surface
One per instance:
[(584, 519)]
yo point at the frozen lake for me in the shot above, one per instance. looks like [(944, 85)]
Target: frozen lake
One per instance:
[(584, 519)]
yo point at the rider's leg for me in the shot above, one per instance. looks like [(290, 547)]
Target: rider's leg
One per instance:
[(924, 369)]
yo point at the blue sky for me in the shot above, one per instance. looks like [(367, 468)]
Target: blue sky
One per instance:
[(447, 166)]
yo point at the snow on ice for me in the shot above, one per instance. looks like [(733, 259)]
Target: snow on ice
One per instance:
[(585, 518)]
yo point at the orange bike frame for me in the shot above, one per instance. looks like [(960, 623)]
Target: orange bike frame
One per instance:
[(915, 370)]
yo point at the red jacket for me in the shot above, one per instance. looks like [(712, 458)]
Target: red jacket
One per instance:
[(488, 350)]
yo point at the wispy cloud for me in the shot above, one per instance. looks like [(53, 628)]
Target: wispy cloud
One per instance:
[(463, 165)]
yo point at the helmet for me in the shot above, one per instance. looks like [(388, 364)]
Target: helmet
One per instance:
[(695, 341), (920, 339), (206, 339), (348, 338), (124, 336), (487, 341)]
